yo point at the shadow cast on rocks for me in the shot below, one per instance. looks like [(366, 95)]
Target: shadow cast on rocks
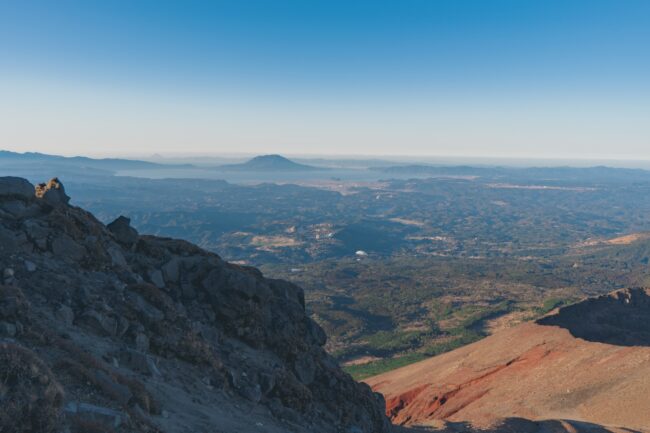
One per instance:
[(620, 318), (522, 425)]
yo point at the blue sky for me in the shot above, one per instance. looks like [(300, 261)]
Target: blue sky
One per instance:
[(521, 78)]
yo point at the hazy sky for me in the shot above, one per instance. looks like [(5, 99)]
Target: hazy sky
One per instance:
[(524, 78)]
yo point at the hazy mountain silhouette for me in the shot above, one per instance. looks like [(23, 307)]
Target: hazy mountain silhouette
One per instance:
[(269, 163), (110, 164)]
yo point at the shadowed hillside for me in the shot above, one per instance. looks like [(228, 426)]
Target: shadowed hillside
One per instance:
[(621, 318)]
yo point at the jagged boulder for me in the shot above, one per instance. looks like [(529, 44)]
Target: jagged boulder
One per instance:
[(52, 193), (16, 187), (123, 231), (17, 198)]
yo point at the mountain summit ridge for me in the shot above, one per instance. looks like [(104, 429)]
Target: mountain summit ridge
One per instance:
[(103, 329), (271, 162)]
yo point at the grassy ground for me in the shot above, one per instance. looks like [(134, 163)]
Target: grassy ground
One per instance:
[(360, 372)]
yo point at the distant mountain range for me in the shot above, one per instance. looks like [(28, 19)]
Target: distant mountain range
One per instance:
[(269, 163), (110, 164), (258, 163)]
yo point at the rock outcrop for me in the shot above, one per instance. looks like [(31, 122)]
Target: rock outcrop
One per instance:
[(106, 330), (621, 318), (585, 366), (52, 193)]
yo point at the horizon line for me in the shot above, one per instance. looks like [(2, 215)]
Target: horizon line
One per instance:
[(337, 156)]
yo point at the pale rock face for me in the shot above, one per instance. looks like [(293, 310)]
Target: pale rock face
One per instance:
[(156, 277), (142, 342), (171, 270), (98, 414), (8, 329), (117, 257), (30, 266), (8, 276)]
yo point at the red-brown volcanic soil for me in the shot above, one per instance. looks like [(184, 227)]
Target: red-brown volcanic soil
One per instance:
[(586, 364)]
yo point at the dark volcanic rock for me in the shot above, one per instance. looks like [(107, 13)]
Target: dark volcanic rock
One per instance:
[(123, 231), (148, 334), (16, 187), (31, 398), (621, 318)]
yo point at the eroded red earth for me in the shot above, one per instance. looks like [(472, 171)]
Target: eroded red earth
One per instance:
[(536, 371)]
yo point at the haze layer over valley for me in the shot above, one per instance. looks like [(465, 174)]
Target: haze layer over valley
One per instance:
[(415, 261)]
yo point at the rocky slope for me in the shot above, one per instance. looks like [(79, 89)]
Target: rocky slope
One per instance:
[(106, 330), (587, 366)]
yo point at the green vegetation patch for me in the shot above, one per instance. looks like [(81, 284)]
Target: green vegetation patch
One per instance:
[(363, 371), (550, 304)]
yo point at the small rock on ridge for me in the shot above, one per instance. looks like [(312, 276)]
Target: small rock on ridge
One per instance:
[(123, 231), (52, 192)]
